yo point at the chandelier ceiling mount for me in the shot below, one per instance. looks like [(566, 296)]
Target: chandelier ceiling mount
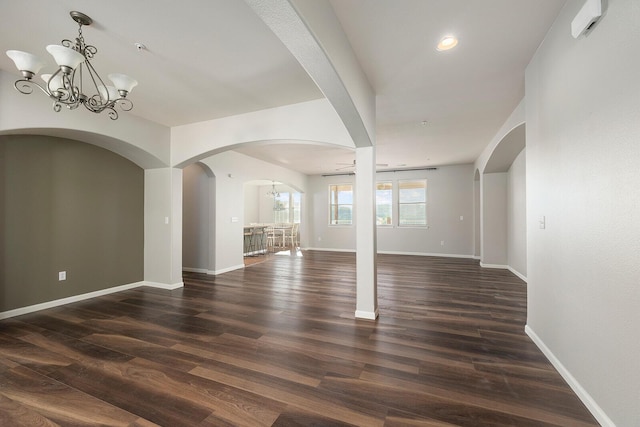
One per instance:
[(75, 76)]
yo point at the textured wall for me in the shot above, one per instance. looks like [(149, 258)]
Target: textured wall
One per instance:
[(583, 128)]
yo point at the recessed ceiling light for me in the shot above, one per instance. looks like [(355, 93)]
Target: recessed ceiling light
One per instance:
[(447, 42)]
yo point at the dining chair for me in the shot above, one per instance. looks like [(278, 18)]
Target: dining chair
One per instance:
[(248, 241), (271, 237), (259, 240), (289, 235)]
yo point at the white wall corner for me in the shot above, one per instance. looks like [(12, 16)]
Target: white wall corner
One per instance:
[(517, 273), (582, 394)]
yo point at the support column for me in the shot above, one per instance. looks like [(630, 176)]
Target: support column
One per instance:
[(163, 227), (366, 235)]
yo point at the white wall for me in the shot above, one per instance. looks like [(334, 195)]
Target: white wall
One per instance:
[(494, 219), (449, 196), (195, 218), (477, 248), (517, 215), (251, 204), (583, 175)]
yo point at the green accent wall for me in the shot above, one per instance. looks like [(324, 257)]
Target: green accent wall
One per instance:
[(66, 206)]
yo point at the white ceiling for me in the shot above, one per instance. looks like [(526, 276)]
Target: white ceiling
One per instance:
[(214, 58)]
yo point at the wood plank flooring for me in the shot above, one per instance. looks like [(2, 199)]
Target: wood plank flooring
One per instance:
[(276, 344)]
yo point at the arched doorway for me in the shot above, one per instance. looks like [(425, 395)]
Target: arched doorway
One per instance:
[(503, 205)]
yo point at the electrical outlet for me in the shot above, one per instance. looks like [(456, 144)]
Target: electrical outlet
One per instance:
[(441, 242), (62, 275)]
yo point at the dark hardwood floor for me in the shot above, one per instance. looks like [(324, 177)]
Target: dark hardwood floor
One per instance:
[(276, 344)]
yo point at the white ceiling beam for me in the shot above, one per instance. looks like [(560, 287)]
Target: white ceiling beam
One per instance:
[(312, 33)]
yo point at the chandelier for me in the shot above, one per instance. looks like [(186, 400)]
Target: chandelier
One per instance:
[(278, 205), (66, 86), (273, 193)]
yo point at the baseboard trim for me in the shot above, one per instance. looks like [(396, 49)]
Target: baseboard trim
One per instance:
[(517, 273), (396, 253), (225, 270), (330, 250), (425, 254), (168, 286), (368, 315), (195, 270), (582, 394), (499, 266), (505, 267), (68, 300)]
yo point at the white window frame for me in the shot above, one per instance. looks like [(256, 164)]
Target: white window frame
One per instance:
[(337, 206), (389, 222), (400, 203)]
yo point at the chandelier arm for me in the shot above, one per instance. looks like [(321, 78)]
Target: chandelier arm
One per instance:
[(25, 86), (73, 93), (93, 74), (70, 44), (124, 103), (59, 94), (95, 104)]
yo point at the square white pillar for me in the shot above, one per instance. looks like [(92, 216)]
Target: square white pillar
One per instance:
[(366, 237), (163, 227)]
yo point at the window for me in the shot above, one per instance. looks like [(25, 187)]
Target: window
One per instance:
[(384, 203), (296, 202), (287, 208), (281, 208), (340, 204), (412, 203)]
